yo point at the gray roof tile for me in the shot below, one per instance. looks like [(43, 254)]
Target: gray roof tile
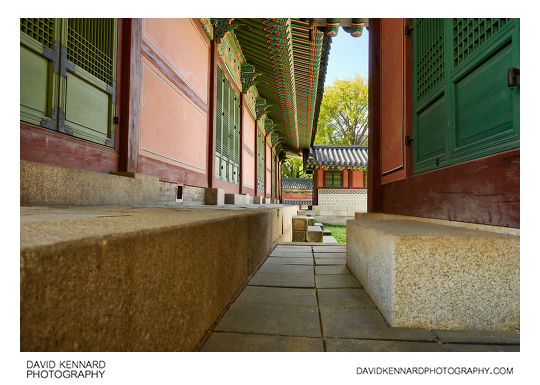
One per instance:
[(339, 155)]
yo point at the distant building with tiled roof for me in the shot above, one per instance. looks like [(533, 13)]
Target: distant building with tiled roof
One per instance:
[(339, 175), (297, 191)]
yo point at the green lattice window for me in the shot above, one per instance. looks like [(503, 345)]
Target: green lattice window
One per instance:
[(468, 35), (67, 75), (333, 179), (273, 175), (90, 45), (227, 129), (430, 60), (260, 162), (463, 106), (42, 30)]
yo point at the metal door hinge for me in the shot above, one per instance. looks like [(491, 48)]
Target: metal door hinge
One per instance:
[(513, 77), (408, 140), (111, 90), (62, 126), (109, 142), (65, 64), (116, 120), (408, 29), (53, 55), (51, 122)]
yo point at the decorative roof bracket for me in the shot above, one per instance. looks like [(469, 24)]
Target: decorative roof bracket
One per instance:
[(247, 76), (221, 27)]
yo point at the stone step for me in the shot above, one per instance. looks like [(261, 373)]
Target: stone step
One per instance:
[(437, 275), (327, 232), (314, 234)]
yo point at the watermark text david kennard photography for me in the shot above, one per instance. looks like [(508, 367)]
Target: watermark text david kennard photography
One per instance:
[(438, 370), (65, 369)]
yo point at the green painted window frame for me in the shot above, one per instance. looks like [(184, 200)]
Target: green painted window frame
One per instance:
[(438, 134), (260, 161), (334, 180)]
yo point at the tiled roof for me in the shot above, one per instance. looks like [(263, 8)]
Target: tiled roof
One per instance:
[(339, 155), (297, 184)]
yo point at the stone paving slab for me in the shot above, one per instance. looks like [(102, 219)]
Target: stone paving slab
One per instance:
[(332, 269), (278, 295), (289, 261), (233, 342), (291, 253), (330, 255), (344, 298), (330, 261), (367, 324), (302, 249), (287, 269), (286, 320), (330, 249), (336, 281), (479, 348), (352, 345), (282, 280), (477, 337)]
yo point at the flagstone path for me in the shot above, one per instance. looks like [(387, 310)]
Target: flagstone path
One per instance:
[(304, 299)]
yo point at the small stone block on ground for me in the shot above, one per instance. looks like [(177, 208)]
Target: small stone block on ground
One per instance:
[(299, 236), (299, 223), (235, 199), (301, 213), (311, 221), (257, 200), (314, 234), (214, 196)]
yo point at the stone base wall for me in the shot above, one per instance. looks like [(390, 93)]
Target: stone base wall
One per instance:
[(340, 211), (137, 279), (343, 197)]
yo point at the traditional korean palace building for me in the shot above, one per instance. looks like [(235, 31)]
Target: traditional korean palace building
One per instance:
[(339, 178), (177, 129), (297, 191)]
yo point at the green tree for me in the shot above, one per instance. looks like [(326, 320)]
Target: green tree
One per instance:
[(343, 118), (293, 168)]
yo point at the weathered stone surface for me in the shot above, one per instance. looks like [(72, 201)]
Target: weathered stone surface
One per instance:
[(479, 348), (293, 248), (290, 260), (234, 342), (332, 269), (345, 298), (311, 221), (299, 236), (282, 280), (285, 320), (129, 279), (330, 249), (300, 253), (336, 281), (330, 255), (278, 295), (366, 323), (477, 337), (257, 200), (301, 213), (351, 345), (429, 275), (330, 261), (287, 269), (214, 196), (299, 223), (314, 234)]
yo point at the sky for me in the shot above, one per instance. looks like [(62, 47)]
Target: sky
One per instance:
[(348, 56)]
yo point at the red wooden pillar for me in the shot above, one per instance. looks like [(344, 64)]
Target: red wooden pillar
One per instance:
[(374, 118), (130, 96)]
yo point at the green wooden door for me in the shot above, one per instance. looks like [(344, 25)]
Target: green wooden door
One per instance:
[(70, 86), (227, 129), (464, 107)]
